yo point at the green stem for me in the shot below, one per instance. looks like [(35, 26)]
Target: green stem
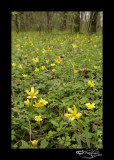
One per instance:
[(40, 128), (74, 81), (87, 88), (30, 128), (54, 75)]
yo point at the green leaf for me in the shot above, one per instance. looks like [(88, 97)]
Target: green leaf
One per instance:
[(99, 133), (44, 143), (55, 123), (87, 137), (61, 124), (97, 101), (58, 129), (13, 137), (78, 140), (51, 133), (93, 119), (84, 100), (73, 123)]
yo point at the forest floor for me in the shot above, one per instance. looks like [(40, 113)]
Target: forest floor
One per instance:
[(57, 84)]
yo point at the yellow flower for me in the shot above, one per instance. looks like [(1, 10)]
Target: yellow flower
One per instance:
[(90, 106), (32, 44), (53, 70), (95, 46), (18, 45), (48, 48), (19, 49), (37, 70), (18, 40), (37, 49), (49, 92), (91, 83), (20, 66), (26, 55), (95, 67), (24, 75), (43, 51), (74, 114), (27, 102), (38, 118), (75, 71), (32, 94), (35, 60), (13, 64), (74, 45), (74, 64), (53, 64), (43, 67), (58, 60), (89, 60), (38, 105), (34, 142), (41, 102), (47, 61), (25, 43)]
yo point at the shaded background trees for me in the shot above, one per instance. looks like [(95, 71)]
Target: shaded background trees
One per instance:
[(93, 21), (48, 21)]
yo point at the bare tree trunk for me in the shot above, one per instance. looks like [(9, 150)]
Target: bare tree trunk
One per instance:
[(48, 19), (71, 26), (77, 22), (64, 16), (81, 20), (93, 21), (17, 23), (98, 21)]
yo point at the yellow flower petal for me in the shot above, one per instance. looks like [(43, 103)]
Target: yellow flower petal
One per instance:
[(32, 89), (78, 115), (28, 96), (72, 118), (27, 92), (27, 102), (53, 70), (67, 115), (34, 142), (87, 104), (34, 97), (75, 71), (38, 118), (75, 109), (70, 110), (36, 92)]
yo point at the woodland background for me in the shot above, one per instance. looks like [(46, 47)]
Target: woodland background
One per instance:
[(53, 21)]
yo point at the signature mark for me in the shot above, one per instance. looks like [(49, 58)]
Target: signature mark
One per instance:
[(89, 154)]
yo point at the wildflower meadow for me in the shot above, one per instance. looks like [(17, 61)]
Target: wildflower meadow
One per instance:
[(56, 84)]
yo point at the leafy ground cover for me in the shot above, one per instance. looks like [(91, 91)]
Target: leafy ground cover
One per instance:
[(56, 99)]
